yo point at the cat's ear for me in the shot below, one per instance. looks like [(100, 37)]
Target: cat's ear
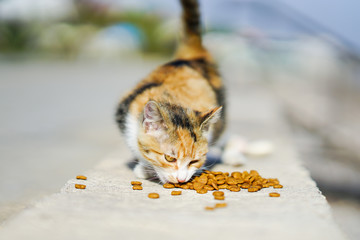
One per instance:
[(153, 122), (209, 117)]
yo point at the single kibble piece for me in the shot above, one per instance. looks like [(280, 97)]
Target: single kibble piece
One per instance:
[(211, 176), (209, 208), (153, 195), (185, 186), (219, 197), (235, 189), (81, 177), (176, 193), (274, 181), (223, 186), (221, 181), (203, 179), (201, 191), (135, 183), (253, 189), (80, 186), (218, 193), (137, 187), (219, 177), (198, 186), (231, 181), (274, 194), (239, 180), (220, 205), (278, 186), (209, 188), (236, 174), (214, 185), (168, 185)]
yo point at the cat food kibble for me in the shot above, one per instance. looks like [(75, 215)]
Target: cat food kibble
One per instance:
[(176, 193), (219, 197), (153, 195), (201, 191), (135, 183), (80, 186), (137, 187), (168, 185), (234, 182), (218, 193), (81, 177), (220, 205), (253, 189), (274, 194), (213, 181), (208, 188), (209, 208)]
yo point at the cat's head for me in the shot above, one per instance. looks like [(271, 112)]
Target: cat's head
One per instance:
[(174, 140)]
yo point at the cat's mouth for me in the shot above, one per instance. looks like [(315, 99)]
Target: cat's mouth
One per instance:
[(173, 177), (166, 178)]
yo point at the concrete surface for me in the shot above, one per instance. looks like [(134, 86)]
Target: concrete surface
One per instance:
[(110, 209), (56, 120)]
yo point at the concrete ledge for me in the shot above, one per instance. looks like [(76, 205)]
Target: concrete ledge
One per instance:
[(109, 209)]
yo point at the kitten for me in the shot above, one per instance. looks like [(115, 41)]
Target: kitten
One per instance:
[(170, 118)]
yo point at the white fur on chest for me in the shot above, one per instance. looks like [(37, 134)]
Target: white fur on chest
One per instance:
[(131, 133)]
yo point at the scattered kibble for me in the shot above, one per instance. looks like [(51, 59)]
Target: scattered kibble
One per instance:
[(176, 193), (209, 208), (80, 186), (278, 186), (220, 205), (274, 194), (137, 187), (81, 177), (217, 205), (218, 193), (168, 185), (219, 197), (136, 183), (153, 195)]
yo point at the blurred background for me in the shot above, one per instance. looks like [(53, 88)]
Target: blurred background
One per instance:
[(65, 63)]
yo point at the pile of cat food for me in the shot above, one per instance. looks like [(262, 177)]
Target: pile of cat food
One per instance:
[(215, 181), (210, 180)]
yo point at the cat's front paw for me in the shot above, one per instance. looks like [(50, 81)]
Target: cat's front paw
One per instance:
[(140, 171)]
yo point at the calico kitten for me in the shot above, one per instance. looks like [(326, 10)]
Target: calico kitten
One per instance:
[(170, 118)]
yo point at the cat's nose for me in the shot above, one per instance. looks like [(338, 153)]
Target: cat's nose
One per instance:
[(181, 180)]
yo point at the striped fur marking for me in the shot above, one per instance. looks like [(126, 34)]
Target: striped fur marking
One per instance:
[(179, 118), (125, 103)]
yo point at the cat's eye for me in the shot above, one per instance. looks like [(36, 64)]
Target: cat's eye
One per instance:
[(169, 158), (193, 162)]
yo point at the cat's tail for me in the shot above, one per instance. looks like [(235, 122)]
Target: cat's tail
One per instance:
[(191, 46)]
